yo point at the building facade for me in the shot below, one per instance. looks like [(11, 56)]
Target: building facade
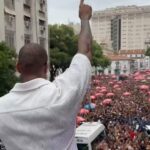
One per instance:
[(126, 62), (23, 21), (122, 28)]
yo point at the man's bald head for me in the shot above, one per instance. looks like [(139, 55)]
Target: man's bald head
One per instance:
[(32, 59)]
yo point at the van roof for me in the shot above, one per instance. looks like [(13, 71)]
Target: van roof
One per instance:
[(89, 130)]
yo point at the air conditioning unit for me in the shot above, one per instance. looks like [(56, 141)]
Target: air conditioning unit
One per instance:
[(10, 19), (27, 23), (42, 28)]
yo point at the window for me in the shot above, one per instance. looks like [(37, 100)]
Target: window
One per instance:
[(27, 3), (27, 39), (99, 138), (10, 39), (2, 147), (27, 22), (42, 42), (10, 4), (82, 146)]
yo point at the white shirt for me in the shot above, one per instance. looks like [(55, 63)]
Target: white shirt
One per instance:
[(41, 115)]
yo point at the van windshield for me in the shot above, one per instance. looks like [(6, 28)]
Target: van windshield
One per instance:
[(82, 146), (97, 140)]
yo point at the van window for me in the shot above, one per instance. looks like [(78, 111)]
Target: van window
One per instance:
[(82, 146), (97, 140)]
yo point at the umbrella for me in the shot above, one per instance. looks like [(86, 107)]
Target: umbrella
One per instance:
[(107, 101), (126, 94), (116, 86), (113, 76), (103, 87), (99, 94), (98, 88), (140, 77), (93, 97), (90, 106), (84, 111), (110, 94), (103, 91), (144, 87), (111, 83), (119, 82), (118, 89), (79, 119)]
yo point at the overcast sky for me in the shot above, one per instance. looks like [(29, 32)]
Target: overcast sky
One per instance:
[(64, 11)]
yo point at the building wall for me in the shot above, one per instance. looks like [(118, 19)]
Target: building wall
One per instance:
[(2, 27), (116, 33), (135, 26), (101, 28), (24, 22), (123, 66), (136, 30)]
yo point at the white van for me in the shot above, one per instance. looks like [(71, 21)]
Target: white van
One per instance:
[(147, 127), (89, 134)]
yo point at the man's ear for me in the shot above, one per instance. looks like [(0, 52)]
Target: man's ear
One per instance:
[(46, 68), (18, 67)]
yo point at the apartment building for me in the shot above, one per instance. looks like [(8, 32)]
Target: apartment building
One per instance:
[(23, 21), (123, 27)]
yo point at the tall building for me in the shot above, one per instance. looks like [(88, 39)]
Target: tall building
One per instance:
[(23, 21), (123, 27)]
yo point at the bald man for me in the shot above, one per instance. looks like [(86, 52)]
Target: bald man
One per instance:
[(41, 115)]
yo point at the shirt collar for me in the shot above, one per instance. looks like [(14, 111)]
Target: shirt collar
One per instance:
[(30, 85)]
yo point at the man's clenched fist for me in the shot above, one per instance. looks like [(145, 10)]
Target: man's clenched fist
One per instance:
[(85, 11)]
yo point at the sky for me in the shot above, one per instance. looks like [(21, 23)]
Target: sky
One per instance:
[(65, 11)]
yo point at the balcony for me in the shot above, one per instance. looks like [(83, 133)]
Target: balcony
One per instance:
[(42, 14), (27, 3), (42, 6), (10, 24), (42, 28), (42, 42), (42, 31), (10, 4), (27, 7), (27, 25), (27, 39)]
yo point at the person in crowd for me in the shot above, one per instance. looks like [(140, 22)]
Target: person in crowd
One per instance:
[(125, 118)]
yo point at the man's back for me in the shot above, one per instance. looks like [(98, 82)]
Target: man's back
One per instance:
[(41, 115)]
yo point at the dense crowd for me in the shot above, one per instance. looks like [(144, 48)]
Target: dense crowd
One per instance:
[(123, 106)]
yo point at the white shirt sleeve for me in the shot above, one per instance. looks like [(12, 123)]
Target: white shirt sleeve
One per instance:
[(73, 83)]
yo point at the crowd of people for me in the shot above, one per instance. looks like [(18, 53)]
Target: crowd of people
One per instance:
[(123, 106)]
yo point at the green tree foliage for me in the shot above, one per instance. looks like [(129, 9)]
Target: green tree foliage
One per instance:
[(98, 58), (147, 53), (63, 46), (7, 68)]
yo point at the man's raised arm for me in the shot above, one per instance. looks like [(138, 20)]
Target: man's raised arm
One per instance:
[(85, 38)]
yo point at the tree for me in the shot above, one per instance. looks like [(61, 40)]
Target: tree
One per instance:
[(104, 62), (99, 60), (63, 45), (147, 53), (7, 68)]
